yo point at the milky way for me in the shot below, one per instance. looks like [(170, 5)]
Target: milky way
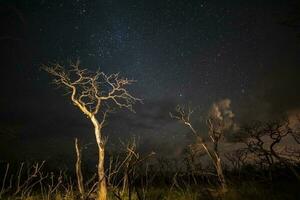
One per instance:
[(179, 52)]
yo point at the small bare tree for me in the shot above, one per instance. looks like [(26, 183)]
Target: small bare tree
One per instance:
[(219, 119), (94, 94), (183, 114)]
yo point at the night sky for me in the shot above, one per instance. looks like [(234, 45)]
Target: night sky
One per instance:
[(194, 52)]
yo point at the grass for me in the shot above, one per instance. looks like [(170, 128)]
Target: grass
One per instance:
[(238, 191), (34, 183)]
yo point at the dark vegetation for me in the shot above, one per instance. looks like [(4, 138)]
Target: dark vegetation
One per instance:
[(262, 166)]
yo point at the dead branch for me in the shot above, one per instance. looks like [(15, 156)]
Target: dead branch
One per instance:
[(95, 94)]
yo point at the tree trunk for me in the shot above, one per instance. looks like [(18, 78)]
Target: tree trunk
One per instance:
[(102, 189), (214, 156), (79, 171), (125, 181), (219, 169), (221, 177), (102, 193)]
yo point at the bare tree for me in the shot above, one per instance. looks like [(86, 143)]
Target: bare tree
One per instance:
[(252, 136), (216, 124), (220, 119), (94, 94), (265, 142)]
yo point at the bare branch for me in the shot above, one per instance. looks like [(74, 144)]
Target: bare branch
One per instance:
[(94, 94), (89, 91)]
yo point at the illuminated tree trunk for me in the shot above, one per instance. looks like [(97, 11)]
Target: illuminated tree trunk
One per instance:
[(125, 187), (102, 193), (215, 157), (219, 169), (221, 177), (79, 170), (102, 189)]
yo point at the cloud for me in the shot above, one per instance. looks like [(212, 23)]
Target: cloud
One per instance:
[(222, 116)]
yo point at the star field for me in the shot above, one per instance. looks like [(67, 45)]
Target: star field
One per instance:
[(178, 51)]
